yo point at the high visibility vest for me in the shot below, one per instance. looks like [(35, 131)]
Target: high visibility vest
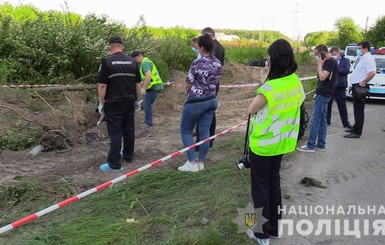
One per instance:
[(155, 78), (274, 129)]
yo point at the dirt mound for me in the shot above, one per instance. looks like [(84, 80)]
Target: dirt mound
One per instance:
[(239, 73), (232, 72), (75, 147)]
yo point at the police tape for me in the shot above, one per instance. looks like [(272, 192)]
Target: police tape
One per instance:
[(168, 83), (240, 85), (31, 86), (73, 199)]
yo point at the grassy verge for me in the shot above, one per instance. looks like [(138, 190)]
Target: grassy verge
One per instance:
[(157, 207)]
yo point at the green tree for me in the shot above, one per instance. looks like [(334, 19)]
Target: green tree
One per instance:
[(376, 34), (348, 31), (316, 38)]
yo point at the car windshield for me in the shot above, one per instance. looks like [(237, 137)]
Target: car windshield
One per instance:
[(352, 51), (380, 63)]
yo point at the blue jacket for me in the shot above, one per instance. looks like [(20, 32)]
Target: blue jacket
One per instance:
[(343, 71)]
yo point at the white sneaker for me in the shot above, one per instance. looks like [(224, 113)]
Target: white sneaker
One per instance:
[(251, 235), (201, 165), (305, 148), (188, 166)]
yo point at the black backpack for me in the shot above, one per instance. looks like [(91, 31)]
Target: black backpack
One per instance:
[(304, 119)]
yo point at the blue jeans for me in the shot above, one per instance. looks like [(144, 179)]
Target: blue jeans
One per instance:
[(318, 122), (149, 98), (200, 113)]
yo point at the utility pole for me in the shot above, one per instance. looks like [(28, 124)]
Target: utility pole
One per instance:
[(366, 24), (295, 22)]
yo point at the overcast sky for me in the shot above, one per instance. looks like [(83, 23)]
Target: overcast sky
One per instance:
[(291, 17)]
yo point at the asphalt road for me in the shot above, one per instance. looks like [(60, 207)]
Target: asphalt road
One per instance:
[(353, 171)]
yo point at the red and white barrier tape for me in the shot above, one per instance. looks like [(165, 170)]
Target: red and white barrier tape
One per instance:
[(241, 85), (36, 215), (168, 83), (32, 86)]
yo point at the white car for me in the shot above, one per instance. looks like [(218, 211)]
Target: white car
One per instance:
[(351, 52), (377, 84)]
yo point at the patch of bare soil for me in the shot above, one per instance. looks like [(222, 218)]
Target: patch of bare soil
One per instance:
[(75, 146)]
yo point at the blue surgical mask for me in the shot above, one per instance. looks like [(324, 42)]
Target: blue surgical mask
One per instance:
[(335, 57), (194, 49), (358, 52)]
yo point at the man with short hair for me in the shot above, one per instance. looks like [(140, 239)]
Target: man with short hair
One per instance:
[(219, 50), (340, 88), (119, 92), (327, 69), (364, 70), (152, 84)]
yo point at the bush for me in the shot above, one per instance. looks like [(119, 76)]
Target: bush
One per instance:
[(245, 55), (17, 139), (162, 69)]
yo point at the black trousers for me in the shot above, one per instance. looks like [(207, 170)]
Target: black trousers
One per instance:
[(120, 124), (266, 190), (359, 113), (340, 97)]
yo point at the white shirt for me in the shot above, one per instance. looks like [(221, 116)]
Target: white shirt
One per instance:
[(363, 66)]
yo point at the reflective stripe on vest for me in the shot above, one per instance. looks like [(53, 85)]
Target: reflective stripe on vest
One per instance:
[(274, 129), (155, 78)]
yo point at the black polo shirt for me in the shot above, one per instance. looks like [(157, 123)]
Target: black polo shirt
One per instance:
[(121, 73)]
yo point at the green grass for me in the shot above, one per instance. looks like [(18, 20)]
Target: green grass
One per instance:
[(168, 207)]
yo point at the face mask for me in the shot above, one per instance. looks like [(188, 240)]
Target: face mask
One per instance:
[(316, 57), (194, 49), (335, 57), (358, 52)]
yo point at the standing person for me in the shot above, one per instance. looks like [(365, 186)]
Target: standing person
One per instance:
[(327, 69), (194, 47), (201, 103), (219, 53), (340, 88), (274, 132), (363, 71), (152, 85), (119, 92), (219, 50)]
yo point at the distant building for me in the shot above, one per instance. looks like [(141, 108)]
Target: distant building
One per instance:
[(223, 37)]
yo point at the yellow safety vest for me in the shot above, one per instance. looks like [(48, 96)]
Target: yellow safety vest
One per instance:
[(275, 127), (155, 78)]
